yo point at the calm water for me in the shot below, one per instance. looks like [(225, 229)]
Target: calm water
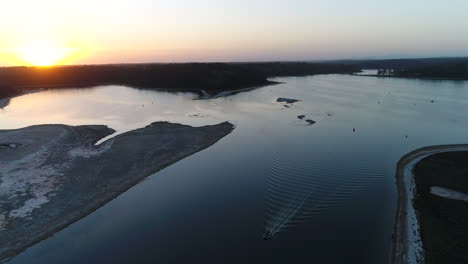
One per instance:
[(324, 193)]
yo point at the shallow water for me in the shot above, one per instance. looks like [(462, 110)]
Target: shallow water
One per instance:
[(323, 192)]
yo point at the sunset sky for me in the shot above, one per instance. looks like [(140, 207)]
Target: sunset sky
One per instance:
[(123, 31)]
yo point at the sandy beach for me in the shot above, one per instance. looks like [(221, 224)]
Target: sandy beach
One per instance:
[(53, 175)]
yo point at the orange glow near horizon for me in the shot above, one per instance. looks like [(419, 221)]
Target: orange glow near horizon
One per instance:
[(42, 53)]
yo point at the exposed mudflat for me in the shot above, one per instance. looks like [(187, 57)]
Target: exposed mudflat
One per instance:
[(53, 175), (287, 100), (449, 194)]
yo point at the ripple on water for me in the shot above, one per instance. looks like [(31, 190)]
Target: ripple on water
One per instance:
[(303, 184)]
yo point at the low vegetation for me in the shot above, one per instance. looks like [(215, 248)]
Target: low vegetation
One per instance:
[(443, 222), (7, 91), (209, 77), (457, 70)]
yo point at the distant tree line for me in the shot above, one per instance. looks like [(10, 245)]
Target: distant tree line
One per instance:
[(7, 91), (210, 77), (279, 69), (445, 70), (402, 63)]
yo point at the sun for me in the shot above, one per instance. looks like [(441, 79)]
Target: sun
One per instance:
[(42, 54)]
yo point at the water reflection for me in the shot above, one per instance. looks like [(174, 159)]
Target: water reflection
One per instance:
[(302, 183), (331, 188)]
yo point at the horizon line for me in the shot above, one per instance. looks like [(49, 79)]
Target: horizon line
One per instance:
[(240, 62)]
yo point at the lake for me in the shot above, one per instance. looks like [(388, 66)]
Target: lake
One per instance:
[(321, 193)]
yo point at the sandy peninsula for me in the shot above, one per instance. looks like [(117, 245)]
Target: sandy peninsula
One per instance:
[(53, 175), (407, 244)]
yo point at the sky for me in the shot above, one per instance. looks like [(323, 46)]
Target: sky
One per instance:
[(134, 31)]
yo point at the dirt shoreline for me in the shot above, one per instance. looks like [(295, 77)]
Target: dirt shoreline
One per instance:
[(403, 252), (53, 175)]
